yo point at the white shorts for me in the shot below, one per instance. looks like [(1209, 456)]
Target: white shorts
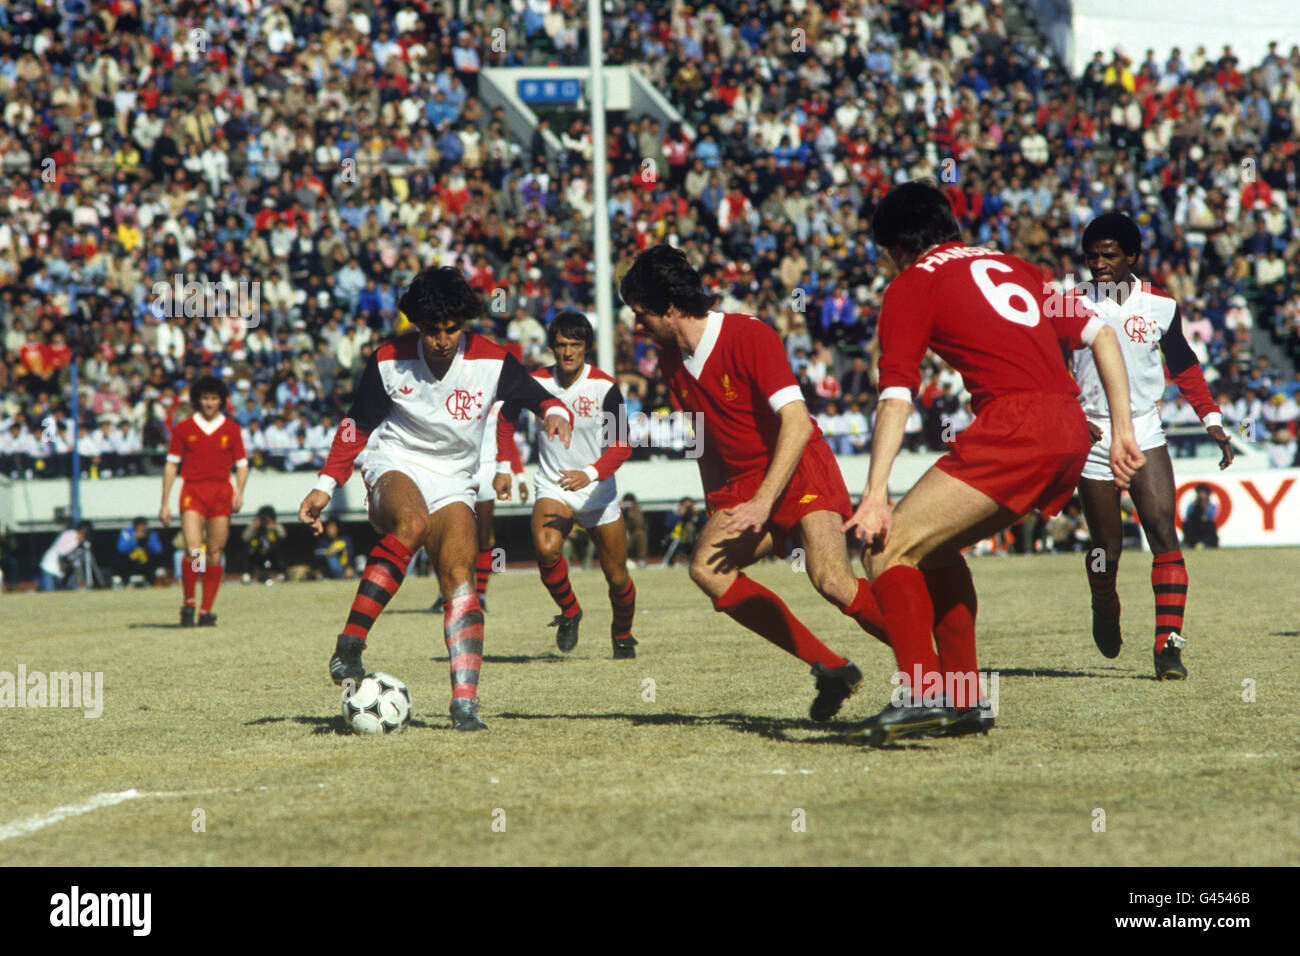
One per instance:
[(593, 506), (487, 471), (438, 490), (1145, 427)]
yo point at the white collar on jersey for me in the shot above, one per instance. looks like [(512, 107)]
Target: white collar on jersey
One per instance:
[(581, 376), (426, 372), (208, 427), (695, 361)]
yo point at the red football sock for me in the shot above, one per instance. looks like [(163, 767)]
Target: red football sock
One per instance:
[(189, 578), (482, 572), (1169, 582), (462, 629), (212, 575), (623, 602), (384, 572), (909, 620), (556, 578), (866, 612), (952, 592), (751, 605)]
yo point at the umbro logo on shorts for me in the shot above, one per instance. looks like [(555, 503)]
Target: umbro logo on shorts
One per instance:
[(806, 498)]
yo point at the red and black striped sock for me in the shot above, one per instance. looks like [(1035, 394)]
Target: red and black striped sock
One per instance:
[(482, 572), (751, 605), (623, 601), (1169, 582), (385, 569), (462, 629), (556, 578), (1102, 583)]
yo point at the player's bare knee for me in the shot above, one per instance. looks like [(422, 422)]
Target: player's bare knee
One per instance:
[(412, 529), (706, 579), (215, 555)]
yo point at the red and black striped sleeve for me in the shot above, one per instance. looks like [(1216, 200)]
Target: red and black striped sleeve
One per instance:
[(1185, 371), (619, 451), (371, 404), (519, 390)]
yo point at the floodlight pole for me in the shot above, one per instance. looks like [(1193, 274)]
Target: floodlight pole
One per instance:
[(599, 182)]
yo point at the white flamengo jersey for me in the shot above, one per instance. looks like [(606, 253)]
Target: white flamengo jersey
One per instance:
[(1140, 322), (595, 399), (488, 450), (401, 408)]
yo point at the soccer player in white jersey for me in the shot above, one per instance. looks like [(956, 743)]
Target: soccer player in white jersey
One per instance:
[(577, 483), (1150, 332), (420, 411), (485, 506)]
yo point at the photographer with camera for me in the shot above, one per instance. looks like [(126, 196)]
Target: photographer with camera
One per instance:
[(265, 541), (60, 562)]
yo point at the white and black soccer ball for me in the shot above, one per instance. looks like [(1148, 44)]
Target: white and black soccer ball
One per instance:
[(379, 704)]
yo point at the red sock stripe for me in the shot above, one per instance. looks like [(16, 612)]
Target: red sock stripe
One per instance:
[(1169, 585), (462, 626), (556, 578), (623, 604), (385, 571)]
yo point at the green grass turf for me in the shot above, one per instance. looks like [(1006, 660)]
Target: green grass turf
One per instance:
[(242, 722)]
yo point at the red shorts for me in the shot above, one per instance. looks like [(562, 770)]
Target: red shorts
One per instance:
[(1025, 450), (212, 499), (817, 485)]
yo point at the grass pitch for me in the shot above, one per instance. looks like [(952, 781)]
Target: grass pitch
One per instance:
[(580, 766)]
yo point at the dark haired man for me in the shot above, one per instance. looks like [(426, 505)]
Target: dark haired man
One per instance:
[(989, 316), (1150, 332), (203, 448), (422, 404), (576, 484), (768, 475)]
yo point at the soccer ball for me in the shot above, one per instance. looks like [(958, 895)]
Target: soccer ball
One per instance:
[(380, 704)]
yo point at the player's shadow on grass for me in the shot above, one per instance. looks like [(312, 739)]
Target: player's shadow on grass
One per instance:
[(327, 725), (158, 626), (512, 658), (1053, 672), (1285, 634), (770, 728)]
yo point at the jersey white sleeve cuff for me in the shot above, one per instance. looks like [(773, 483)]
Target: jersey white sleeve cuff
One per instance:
[(591, 472), (326, 484), (174, 459), (1091, 330), (503, 467), (896, 392), (1213, 419), (560, 410), (778, 400), (241, 463)]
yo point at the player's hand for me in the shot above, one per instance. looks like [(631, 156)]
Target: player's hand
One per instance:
[(1094, 432), (501, 485), (1225, 445), (748, 516), (165, 516), (557, 427), (1125, 458), (871, 524), (573, 480), (523, 491), (236, 501), (310, 509)]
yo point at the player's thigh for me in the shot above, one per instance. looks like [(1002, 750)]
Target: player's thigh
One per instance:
[(484, 513), (720, 555), (452, 543), (826, 556), (192, 530), (936, 519), (1100, 497), (611, 546), (1153, 493), (218, 533), (552, 522), (397, 507)]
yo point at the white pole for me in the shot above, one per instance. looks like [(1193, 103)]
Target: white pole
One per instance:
[(599, 177)]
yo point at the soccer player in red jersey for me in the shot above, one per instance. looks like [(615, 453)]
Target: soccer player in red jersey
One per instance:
[(203, 449), (988, 315), (1150, 333), (768, 473), (422, 406), (576, 484)]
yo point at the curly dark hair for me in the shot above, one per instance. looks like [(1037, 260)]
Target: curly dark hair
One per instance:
[(662, 277), (208, 385), (440, 294), (1117, 226), (572, 325), (913, 217)]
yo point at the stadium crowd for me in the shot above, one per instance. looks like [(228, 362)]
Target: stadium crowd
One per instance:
[(244, 188)]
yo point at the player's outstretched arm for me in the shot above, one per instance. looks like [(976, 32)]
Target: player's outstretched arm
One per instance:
[(516, 387), (871, 522), (614, 411), (1125, 456), (791, 439), (1185, 370)]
